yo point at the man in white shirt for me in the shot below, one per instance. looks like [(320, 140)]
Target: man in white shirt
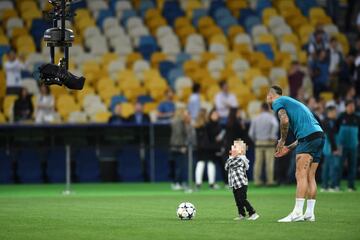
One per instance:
[(224, 101), (13, 67), (263, 131)]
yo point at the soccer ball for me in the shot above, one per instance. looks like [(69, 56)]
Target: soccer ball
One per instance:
[(186, 211)]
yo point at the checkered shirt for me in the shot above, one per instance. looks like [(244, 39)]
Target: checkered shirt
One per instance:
[(237, 167)]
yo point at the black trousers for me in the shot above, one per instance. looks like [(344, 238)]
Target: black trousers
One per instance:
[(242, 203)]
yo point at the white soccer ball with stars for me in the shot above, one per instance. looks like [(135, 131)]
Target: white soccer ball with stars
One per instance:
[(186, 211)]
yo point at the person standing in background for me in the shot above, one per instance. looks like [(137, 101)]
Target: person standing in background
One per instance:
[(320, 72), (139, 117), (263, 131), (331, 152), (348, 125), (45, 107), (224, 101), (295, 77), (194, 102), (13, 67), (182, 135), (23, 107)]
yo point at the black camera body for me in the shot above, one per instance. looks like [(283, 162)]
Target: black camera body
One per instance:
[(59, 36)]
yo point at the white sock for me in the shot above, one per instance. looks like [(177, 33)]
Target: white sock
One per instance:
[(310, 206), (211, 171), (299, 205), (199, 171)]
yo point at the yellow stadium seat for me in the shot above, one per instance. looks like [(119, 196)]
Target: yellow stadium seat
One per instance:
[(316, 12), (327, 96), (149, 107), (131, 58), (181, 22), (30, 15), (127, 76), (190, 66), (151, 74), (242, 48), (4, 40), (17, 32), (107, 93), (102, 117), (236, 5), (250, 74), (2, 118), (131, 94), (211, 31), (205, 22), (8, 104), (343, 42), (156, 58), (211, 92), (206, 57), (155, 23), (256, 57), (127, 109), (219, 38), (7, 14), (267, 13), (57, 91), (234, 30), (184, 32), (291, 38), (304, 32), (152, 13), (81, 94), (104, 83), (265, 66), (157, 94), (107, 58), (297, 22)]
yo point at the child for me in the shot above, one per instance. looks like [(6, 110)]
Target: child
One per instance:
[(237, 165)]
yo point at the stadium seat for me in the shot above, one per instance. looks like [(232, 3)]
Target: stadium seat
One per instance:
[(29, 159), (86, 165), (129, 166)]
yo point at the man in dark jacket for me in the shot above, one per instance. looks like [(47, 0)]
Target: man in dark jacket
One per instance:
[(23, 107), (139, 117)]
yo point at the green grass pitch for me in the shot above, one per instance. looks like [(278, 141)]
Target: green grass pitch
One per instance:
[(148, 211)]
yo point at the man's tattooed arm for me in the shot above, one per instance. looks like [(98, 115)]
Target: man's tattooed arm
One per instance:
[(284, 125)]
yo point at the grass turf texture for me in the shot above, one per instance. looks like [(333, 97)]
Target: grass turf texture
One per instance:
[(148, 211)]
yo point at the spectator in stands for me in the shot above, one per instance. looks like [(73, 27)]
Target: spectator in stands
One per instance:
[(263, 132), (182, 135), (194, 102), (319, 41), (13, 67), (166, 108), (224, 101), (336, 59), (296, 77), (331, 151), (139, 117), (235, 129), (45, 106), (23, 107), (320, 72), (117, 117), (338, 102), (209, 137), (348, 125)]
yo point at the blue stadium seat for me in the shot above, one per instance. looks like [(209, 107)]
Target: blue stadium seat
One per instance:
[(222, 12), (261, 5), (145, 5), (214, 5), (4, 49), (56, 165), (77, 4), (171, 11), (87, 165), (147, 46), (267, 50), (115, 100), (181, 58), (244, 14), (144, 99), (226, 22), (128, 13), (129, 166), (250, 22), (6, 171), (174, 74), (165, 67), (103, 14), (29, 166)]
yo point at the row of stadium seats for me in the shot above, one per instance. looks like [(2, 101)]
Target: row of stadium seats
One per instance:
[(130, 49)]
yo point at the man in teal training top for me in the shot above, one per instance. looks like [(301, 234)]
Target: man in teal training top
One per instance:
[(303, 123)]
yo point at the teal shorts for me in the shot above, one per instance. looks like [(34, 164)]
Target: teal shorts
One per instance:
[(313, 147)]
